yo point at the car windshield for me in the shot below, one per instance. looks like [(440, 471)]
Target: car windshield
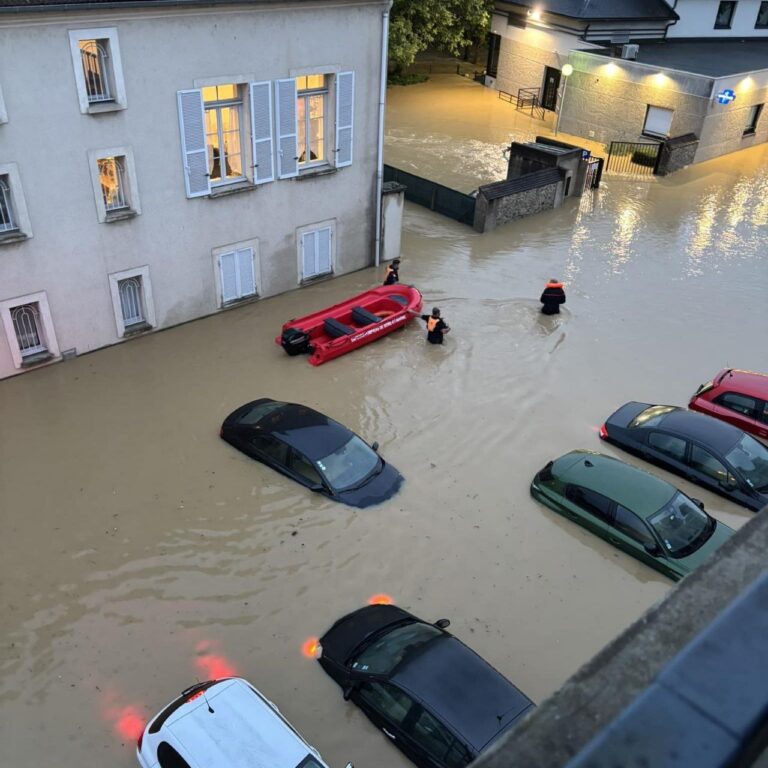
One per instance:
[(258, 412), (349, 465), (384, 654), (751, 459), (682, 526), (651, 417)]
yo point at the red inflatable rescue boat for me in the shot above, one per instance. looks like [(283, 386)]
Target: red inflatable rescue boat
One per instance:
[(343, 327)]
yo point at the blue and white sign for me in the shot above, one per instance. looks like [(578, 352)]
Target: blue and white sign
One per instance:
[(726, 96)]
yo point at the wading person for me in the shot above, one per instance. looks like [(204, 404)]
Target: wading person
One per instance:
[(552, 297), (393, 273), (436, 326)]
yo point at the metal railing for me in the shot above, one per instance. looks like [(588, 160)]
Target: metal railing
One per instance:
[(7, 222), (130, 301), (112, 178), (633, 158), (26, 325), (95, 58)]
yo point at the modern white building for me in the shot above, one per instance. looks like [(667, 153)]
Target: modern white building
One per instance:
[(161, 160), (639, 70)]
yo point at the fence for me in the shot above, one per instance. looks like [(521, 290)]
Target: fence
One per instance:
[(632, 158), (434, 196)]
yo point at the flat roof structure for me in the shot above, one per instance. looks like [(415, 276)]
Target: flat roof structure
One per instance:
[(712, 58)]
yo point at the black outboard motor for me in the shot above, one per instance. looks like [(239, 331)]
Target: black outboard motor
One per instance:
[(295, 341)]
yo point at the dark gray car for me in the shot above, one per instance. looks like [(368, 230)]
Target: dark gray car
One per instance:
[(706, 451)]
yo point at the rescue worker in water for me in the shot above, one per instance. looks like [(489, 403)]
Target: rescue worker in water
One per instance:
[(436, 326), (393, 274), (552, 297)]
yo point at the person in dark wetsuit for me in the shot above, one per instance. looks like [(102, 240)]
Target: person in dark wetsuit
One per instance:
[(436, 327), (552, 297), (393, 275)]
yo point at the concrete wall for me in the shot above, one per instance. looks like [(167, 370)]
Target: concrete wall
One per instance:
[(697, 19), (72, 253), (490, 214)]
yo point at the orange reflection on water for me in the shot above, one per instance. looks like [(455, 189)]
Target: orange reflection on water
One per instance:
[(212, 665), (380, 599)]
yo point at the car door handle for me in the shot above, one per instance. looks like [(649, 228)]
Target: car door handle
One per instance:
[(391, 735)]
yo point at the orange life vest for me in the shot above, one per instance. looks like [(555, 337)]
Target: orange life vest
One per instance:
[(432, 323), (554, 285)]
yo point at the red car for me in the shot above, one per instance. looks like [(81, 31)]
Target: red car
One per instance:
[(738, 397)]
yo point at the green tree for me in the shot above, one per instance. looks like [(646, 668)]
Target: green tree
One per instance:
[(451, 25)]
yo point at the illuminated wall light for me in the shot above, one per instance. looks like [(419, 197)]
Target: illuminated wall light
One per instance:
[(535, 14), (660, 78), (567, 70), (611, 69), (746, 84)]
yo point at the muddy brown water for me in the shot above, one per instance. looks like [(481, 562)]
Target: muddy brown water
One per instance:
[(140, 552)]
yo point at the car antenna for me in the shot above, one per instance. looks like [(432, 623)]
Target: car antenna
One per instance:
[(210, 708)]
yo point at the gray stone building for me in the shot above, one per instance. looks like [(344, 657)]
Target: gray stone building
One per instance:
[(627, 70)]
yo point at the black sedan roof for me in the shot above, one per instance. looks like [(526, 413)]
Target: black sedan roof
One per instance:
[(721, 436), (304, 429), (462, 689)]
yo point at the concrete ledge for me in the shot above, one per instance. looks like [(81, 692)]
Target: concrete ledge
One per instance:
[(566, 722)]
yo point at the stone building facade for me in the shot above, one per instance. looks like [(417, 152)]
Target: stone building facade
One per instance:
[(164, 161)]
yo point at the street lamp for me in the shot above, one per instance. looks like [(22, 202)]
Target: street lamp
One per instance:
[(567, 72)]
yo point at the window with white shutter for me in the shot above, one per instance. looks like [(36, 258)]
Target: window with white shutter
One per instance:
[(238, 277), (193, 143), (316, 252), (658, 121), (261, 126), (345, 109), (287, 150)]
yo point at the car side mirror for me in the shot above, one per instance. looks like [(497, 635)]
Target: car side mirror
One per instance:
[(651, 549), (699, 503), (375, 446), (348, 691), (442, 623)]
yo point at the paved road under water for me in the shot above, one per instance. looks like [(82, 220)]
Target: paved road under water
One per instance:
[(140, 552)]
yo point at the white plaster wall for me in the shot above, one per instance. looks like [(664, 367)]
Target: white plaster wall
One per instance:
[(72, 254), (697, 19)]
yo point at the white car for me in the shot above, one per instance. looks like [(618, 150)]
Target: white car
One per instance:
[(224, 724)]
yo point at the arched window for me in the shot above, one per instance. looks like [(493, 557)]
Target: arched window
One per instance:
[(26, 323), (112, 179), (95, 57), (7, 221), (131, 301)]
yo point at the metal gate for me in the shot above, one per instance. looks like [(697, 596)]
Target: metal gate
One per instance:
[(594, 172), (633, 158)]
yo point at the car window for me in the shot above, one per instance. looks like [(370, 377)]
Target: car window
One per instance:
[(350, 464), (671, 446), (389, 701), (168, 757), (763, 415), (594, 503), (707, 464), (309, 762), (682, 526), (651, 417), (302, 467), (270, 448), (751, 459), (631, 525), (385, 653), (258, 412), (436, 740), (747, 406)]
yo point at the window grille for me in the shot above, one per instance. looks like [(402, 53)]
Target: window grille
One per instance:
[(95, 58), (7, 222), (26, 323), (112, 178), (130, 301)]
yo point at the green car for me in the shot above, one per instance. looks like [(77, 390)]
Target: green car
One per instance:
[(637, 512)]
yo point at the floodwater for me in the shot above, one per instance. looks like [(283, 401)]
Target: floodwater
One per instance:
[(141, 553)]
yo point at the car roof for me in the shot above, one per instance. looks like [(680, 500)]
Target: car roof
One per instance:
[(461, 688), (304, 429), (718, 434), (745, 382), (629, 486), (243, 731)]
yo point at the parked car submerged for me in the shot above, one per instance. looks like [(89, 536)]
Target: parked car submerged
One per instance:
[(224, 724), (313, 450), (716, 455), (434, 698), (640, 514), (738, 397)]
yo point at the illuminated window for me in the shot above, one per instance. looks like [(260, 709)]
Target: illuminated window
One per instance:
[(114, 187), (223, 126), (94, 55), (7, 219), (762, 16), (658, 121), (724, 16), (311, 110)]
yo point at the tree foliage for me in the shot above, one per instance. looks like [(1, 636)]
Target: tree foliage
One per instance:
[(450, 25)]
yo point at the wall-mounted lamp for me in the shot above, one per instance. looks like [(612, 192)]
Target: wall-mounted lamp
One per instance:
[(535, 14), (567, 71)]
